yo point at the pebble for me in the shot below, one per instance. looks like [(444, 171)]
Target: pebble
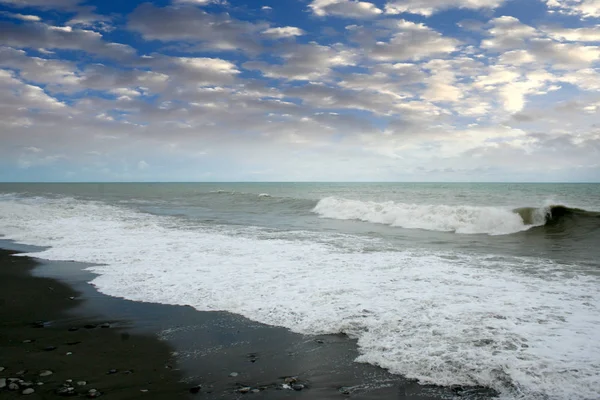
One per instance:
[(68, 353), (290, 379), (195, 389), (71, 298), (144, 390), (2, 369), (112, 371), (66, 391), (244, 389), (90, 326), (69, 380), (26, 384), (21, 372), (50, 348), (28, 341), (46, 373), (2, 383), (13, 386), (28, 391), (81, 383), (233, 374), (73, 329), (255, 390), (298, 386), (105, 325), (40, 383), (93, 393)]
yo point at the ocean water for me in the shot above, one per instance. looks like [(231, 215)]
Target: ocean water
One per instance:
[(473, 284)]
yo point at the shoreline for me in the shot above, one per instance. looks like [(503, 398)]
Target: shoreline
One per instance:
[(42, 342), (174, 351)]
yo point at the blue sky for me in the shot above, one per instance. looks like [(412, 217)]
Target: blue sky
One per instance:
[(300, 90)]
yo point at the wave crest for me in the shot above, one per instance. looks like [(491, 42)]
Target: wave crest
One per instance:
[(460, 219)]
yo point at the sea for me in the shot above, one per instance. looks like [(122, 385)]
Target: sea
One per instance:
[(494, 285)]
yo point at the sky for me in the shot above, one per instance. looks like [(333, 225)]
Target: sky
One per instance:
[(300, 90)]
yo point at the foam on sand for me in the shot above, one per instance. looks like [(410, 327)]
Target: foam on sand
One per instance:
[(440, 318)]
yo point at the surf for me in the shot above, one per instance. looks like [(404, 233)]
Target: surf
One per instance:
[(462, 219)]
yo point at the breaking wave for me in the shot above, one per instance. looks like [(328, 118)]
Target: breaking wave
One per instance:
[(460, 219)]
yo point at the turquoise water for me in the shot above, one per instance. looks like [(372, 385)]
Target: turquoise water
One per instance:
[(481, 284)]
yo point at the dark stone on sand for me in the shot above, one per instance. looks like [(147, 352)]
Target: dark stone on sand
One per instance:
[(195, 389), (290, 379), (66, 391), (73, 329), (112, 371), (40, 324), (49, 348), (320, 341), (129, 371), (73, 343), (90, 326), (298, 386)]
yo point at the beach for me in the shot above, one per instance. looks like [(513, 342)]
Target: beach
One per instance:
[(123, 350), (308, 291), (48, 349)]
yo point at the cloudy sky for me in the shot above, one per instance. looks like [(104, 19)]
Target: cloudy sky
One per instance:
[(300, 90)]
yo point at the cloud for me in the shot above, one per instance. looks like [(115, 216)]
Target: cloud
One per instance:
[(591, 34), (429, 7), (344, 8), (584, 8), (22, 17), (40, 35), (305, 62), (193, 25), (283, 32), (412, 41), (44, 4)]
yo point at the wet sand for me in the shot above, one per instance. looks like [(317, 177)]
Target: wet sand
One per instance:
[(38, 334), (171, 352)]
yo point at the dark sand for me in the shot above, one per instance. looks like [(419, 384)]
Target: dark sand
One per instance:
[(197, 348), (35, 309)]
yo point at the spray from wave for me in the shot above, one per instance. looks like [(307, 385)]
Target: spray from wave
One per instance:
[(458, 219)]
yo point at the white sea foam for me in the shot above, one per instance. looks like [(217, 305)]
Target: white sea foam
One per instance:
[(459, 219), (443, 319)]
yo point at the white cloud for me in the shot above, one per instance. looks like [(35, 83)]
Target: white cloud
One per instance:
[(40, 35), (413, 41), (22, 17), (585, 8), (194, 25), (429, 7), (283, 32), (344, 8), (591, 34), (305, 62)]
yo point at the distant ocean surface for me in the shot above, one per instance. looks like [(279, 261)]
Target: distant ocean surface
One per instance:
[(476, 284)]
